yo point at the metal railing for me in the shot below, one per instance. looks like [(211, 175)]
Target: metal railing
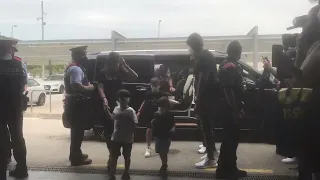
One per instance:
[(31, 98)]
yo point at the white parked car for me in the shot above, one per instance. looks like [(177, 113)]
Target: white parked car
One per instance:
[(36, 88), (54, 83)]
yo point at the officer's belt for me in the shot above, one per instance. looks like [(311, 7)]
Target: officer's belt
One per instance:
[(76, 95)]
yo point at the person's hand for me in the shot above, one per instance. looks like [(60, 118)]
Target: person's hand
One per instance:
[(105, 104), (95, 84), (138, 114), (90, 86), (172, 89), (266, 64)]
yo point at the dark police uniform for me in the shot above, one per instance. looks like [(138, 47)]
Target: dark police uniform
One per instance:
[(12, 74), (77, 108), (229, 77)]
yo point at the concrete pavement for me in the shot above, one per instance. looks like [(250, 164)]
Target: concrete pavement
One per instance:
[(74, 176), (48, 146)]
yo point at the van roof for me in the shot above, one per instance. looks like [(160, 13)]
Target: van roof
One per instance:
[(161, 52)]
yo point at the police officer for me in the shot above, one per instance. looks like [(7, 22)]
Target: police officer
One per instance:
[(231, 87), (13, 74), (18, 140), (77, 101)]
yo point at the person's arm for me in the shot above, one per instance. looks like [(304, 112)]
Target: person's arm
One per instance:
[(172, 124), (131, 74), (141, 109), (76, 76), (134, 116)]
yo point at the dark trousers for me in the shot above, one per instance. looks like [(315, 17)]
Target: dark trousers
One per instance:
[(230, 140), (206, 124), (8, 142), (15, 125), (3, 151), (77, 134)]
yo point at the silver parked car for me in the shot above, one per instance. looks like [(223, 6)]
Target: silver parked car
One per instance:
[(38, 92), (55, 83)]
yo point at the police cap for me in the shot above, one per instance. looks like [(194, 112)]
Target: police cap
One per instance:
[(79, 49), (8, 41)]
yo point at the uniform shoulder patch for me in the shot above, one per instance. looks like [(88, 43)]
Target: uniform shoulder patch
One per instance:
[(17, 58)]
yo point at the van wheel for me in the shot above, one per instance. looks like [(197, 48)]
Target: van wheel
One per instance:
[(41, 100), (99, 133)]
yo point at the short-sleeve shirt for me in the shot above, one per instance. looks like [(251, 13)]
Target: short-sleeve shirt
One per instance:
[(110, 86), (162, 125), (125, 121), (206, 64), (150, 104), (77, 76)]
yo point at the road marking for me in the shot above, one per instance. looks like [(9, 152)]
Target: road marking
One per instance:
[(119, 166), (269, 171)]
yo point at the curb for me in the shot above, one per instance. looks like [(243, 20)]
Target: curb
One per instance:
[(43, 115)]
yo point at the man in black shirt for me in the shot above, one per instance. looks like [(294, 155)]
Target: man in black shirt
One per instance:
[(206, 90), (231, 86), (110, 80)]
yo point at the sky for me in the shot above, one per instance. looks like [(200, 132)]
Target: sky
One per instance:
[(94, 19)]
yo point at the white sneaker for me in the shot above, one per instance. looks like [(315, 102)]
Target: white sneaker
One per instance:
[(206, 163), (201, 145), (216, 155), (203, 157), (289, 160), (148, 153), (202, 150)]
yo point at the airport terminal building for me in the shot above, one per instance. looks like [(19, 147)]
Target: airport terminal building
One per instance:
[(40, 52)]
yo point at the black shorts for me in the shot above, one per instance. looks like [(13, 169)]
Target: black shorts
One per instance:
[(162, 146), (116, 149)]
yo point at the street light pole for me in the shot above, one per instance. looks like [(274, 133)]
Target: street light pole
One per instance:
[(159, 23), (42, 20), (13, 26)]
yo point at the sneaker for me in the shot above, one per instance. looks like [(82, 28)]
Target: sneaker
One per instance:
[(225, 174), (203, 157), (81, 162), (202, 150), (148, 153), (163, 172), (206, 163), (125, 176), (112, 177), (19, 172), (201, 145), (216, 155), (289, 160)]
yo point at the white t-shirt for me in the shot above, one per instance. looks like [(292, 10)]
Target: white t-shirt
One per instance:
[(125, 121)]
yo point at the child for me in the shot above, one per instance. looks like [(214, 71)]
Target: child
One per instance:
[(162, 127), (148, 108), (125, 121)]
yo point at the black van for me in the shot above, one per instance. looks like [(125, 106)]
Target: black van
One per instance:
[(144, 63)]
